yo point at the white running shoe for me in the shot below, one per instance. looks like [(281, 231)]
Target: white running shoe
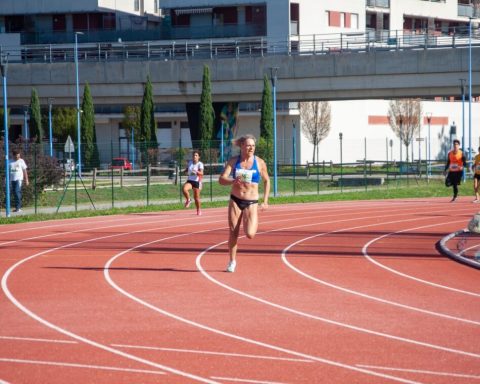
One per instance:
[(199, 212), (231, 266), (187, 203)]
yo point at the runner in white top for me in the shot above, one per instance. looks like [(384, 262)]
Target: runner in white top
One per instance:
[(194, 171)]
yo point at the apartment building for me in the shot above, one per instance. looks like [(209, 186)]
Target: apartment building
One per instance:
[(55, 21)]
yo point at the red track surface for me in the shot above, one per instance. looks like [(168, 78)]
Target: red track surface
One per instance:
[(345, 292)]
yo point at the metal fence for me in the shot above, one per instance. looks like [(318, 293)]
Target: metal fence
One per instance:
[(156, 175), (188, 49)]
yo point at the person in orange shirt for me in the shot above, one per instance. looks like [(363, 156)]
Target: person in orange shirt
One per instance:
[(476, 176), (454, 168)]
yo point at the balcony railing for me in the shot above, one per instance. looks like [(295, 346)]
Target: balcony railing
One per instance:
[(378, 3), (246, 47)]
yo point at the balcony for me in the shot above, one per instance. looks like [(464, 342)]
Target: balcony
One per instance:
[(378, 3), (468, 10)]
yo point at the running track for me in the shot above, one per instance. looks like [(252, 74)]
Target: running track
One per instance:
[(344, 292)]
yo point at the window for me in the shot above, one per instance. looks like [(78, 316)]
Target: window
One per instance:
[(136, 5), (342, 19), (354, 20), (155, 6)]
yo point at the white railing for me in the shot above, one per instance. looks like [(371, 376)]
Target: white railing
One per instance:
[(248, 47)]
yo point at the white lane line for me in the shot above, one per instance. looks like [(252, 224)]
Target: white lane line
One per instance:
[(357, 293), (231, 335), (74, 365), (50, 325), (75, 336), (224, 333), (200, 352), (154, 220), (394, 271), (237, 380), (4, 382), (323, 319), (37, 339), (421, 371)]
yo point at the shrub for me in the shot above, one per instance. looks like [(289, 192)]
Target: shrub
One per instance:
[(43, 171)]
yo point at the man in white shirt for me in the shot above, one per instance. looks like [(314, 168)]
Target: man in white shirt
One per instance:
[(18, 173)]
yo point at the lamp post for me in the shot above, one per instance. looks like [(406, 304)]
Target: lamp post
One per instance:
[(462, 90), (50, 134), (340, 136), (3, 68), (453, 131), (25, 122), (221, 143), (429, 120), (401, 138), (273, 74), (470, 90), (79, 152)]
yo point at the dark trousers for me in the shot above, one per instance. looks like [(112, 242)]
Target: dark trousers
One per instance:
[(17, 193), (455, 179)]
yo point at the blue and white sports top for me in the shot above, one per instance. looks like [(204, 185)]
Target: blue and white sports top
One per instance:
[(251, 175)]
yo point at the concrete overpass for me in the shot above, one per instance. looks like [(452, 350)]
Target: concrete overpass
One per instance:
[(376, 74)]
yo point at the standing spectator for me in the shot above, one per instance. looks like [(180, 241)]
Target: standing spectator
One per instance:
[(194, 171), (247, 170), (476, 176), (454, 168), (18, 173)]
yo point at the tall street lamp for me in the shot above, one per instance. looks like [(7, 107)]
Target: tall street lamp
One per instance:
[(3, 68), (470, 90), (79, 152), (273, 74), (462, 90), (340, 137), (50, 134), (429, 121), (25, 122)]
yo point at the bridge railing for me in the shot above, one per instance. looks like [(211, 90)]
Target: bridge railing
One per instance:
[(245, 47)]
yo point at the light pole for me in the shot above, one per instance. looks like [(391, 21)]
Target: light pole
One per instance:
[(273, 74), (79, 152), (340, 136), (470, 90), (3, 68), (429, 120), (221, 143), (50, 134), (25, 122), (462, 90)]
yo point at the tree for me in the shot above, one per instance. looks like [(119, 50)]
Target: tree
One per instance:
[(2, 122), (90, 154), (148, 125), (207, 115), (131, 120), (35, 118), (404, 116), (316, 118), (44, 171), (265, 141), (64, 120)]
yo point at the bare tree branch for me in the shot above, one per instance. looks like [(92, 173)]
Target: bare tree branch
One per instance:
[(316, 118)]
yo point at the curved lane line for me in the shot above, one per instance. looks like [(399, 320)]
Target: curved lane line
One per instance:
[(224, 333), (75, 336), (368, 257), (357, 293)]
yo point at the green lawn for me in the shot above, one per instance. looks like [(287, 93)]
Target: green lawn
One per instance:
[(167, 196)]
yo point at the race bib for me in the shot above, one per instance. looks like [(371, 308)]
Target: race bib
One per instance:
[(245, 175)]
